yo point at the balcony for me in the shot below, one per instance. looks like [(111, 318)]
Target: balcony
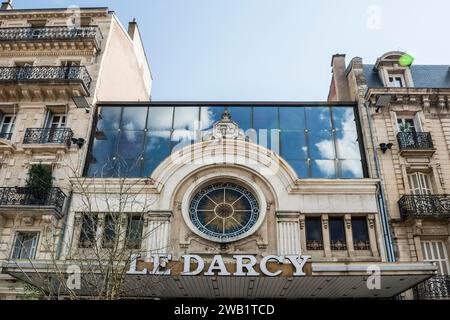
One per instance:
[(436, 288), (62, 136), (25, 199), (50, 38), (43, 82), (424, 206), (415, 144)]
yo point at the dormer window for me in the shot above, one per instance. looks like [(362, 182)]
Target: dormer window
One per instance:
[(392, 72)]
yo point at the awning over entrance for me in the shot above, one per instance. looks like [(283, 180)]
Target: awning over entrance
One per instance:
[(326, 281)]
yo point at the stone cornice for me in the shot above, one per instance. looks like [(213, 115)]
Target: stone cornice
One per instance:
[(113, 186), (52, 13), (336, 186), (406, 92)]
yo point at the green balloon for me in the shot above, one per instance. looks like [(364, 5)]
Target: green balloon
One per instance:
[(406, 60)]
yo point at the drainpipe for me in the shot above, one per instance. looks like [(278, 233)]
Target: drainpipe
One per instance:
[(66, 217), (381, 195)]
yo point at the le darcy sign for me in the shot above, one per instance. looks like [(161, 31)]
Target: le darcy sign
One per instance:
[(240, 265)]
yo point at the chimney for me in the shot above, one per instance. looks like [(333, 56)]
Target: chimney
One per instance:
[(340, 78), (6, 5), (132, 27)]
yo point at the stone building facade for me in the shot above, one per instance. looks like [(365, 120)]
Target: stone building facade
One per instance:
[(55, 64), (195, 199), (405, 115)]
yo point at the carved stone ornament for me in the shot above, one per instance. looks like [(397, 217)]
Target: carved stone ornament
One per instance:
[(225, 128)]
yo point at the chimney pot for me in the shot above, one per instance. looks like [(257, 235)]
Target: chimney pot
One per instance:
[(7, 5)]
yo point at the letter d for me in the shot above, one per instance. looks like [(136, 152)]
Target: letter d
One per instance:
[(187, 265)]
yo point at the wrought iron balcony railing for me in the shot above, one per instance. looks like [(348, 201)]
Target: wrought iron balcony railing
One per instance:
[(415, 141), (48, 135), (23, 196), (314, 245), (415, 206), (43, 73), (51, 33), (6, 135), (436, 288)]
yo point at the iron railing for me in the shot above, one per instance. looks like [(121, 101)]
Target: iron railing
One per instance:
[(420, 206), (46, 73), (51, 33), (338, 245), (48, 135), (436, 288), (314, 245), (6, 135), (360, 245), (23, 196), (415, 141)]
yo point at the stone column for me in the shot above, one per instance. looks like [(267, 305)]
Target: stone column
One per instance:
[(326, 236), (288, 233), (372, 235), (156, 234), (349, 234)]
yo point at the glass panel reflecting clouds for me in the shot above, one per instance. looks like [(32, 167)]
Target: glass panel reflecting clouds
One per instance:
[(160, 118), (317, 141), (318, 118), (293, 145), (134, 118), (186, 118), (265, 118), (321, 145), (292, 118), (109, 118)]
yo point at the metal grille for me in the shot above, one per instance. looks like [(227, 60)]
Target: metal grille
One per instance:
[(48, 135), (435, 288), (415, 140), (314, 245), (338, 245), (361, 245), (424, 206), (61, 73), (52, 33), (24, 196)]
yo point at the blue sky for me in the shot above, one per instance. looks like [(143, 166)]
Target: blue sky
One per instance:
[(267, 50)]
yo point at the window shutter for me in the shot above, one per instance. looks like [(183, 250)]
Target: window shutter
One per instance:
[(33, 246), (17, 246), (425, 184), (417, 123), (414, 186)]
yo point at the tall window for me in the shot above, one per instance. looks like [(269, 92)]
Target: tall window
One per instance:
[(406, 125), (134, 232), (337, 234), (55, 122), (396, 81), (7, 126), (110, 231), (420, 184), (88, 231), (314, 239), (25, 245), (360, 234), (436, 251)]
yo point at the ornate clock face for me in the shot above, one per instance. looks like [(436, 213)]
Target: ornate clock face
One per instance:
[(224, 211)]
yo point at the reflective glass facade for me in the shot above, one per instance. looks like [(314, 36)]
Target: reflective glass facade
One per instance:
[(318, 141)]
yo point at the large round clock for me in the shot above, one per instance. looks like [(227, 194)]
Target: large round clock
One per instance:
[(224, 211)]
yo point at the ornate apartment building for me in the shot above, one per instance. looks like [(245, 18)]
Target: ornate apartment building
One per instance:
[(55, 64), (405, 116), (204, 200)]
